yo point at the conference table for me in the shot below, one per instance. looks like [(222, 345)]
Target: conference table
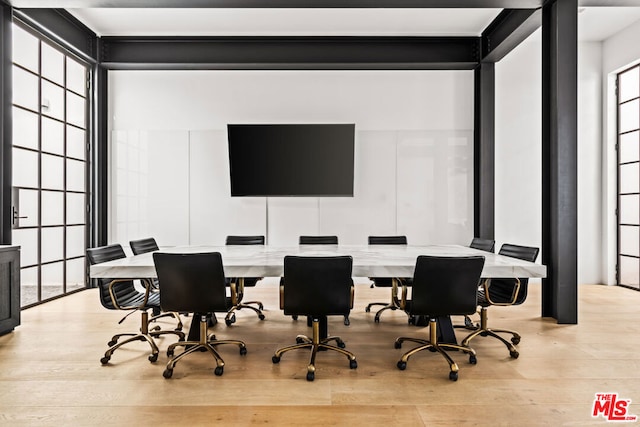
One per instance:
[(393, 261)]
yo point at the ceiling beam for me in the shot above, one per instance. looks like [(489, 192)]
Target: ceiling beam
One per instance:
[(241, 4), (291, 53), (508, 30)]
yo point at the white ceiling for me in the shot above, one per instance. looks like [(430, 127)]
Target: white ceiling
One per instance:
[(594, 24)]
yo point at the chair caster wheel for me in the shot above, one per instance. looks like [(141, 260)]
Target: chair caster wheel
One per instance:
[(402, 365), (376, 319), (397, 345), (473, 359), (275, 359), (219, 370), (346, 321), (167, 373), (353, 364), (294, 317), (243, 351), (299, 340), (153, 357), (515, 340), (112, 343), (261, 316), (341, 344), (260, 306), (155, 329), (105, 360), (311, 376), (169, 353), (514, 354), (453, 376), (230, 320), (367, 309), (178, 329)]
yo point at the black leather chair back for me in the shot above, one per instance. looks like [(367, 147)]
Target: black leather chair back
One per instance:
[(445, 285), (191, 282), (387, 240), (318, 240), (486, 245), (124, 291), (501, 290), (143, 246), (317, 286), (245, 240)]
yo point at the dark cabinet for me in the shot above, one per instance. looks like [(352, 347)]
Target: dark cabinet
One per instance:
[(9, 288)]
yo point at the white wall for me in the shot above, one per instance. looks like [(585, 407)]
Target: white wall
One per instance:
[(519, 149), (413, 167)]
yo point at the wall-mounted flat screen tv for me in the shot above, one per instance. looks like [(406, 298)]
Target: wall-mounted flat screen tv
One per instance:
[(291, 159)]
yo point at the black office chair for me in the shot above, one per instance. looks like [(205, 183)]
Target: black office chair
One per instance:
[(442, 286), (239, 283), (317, 287), (121, 294), (507, 291), (486, 245), (320, 240), (194, 283), (387, 282), (143, 246)]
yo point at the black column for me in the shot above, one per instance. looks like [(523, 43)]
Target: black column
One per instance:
[(5, 124), (99, 157), (484, 151), (559, 160)]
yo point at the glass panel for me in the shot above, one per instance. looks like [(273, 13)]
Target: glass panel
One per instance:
[(28, 286), (630, 209), (25, 49), (75, 274), (629, 271), (75, 241), (52, 244), (52, 136), (52, 172), (76, 110), (25, 128), (52, 100), (75, 208), (27, 206), (52, 280), (52, 64), (629, 178), (629, 119), (630, 240), (629, 151), (75, 175), (28, 242), (629, 81), (25, 89), (76, 80), (53, 209), (76, 143), (25, 168)]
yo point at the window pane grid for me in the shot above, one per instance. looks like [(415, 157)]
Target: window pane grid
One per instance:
[(46, 81)]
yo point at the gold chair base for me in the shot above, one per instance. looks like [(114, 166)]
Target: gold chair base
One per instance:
[(485, 331), (393, 305), (315, 344), (433, 345), (144, 335), (206, 342), (173, 314)]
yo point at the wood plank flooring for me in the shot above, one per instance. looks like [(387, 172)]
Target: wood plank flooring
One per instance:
[(50, 372)]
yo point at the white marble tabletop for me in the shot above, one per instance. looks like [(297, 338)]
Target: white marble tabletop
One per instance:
[(368, 261)]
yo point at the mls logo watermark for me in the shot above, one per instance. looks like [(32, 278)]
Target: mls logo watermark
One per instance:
[(611, 408)]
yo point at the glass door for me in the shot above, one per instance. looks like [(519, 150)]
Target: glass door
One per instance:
[(628, 273), (49, 167)]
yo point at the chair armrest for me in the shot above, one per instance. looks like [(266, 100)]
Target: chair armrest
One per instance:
[(514, 296), (281, 296), (114, 299)]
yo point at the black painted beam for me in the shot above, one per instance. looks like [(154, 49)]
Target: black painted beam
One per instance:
[(518, 4), (484, 151), (5, 124), (559, 160), (508, 30), (316, 53), (64, 29)]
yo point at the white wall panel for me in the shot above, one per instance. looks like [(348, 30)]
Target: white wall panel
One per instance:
[(291, 217)]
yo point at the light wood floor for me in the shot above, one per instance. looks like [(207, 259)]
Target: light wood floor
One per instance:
[(50, 372)]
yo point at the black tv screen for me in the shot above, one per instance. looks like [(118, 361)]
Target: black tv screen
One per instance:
[(291, 159)]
